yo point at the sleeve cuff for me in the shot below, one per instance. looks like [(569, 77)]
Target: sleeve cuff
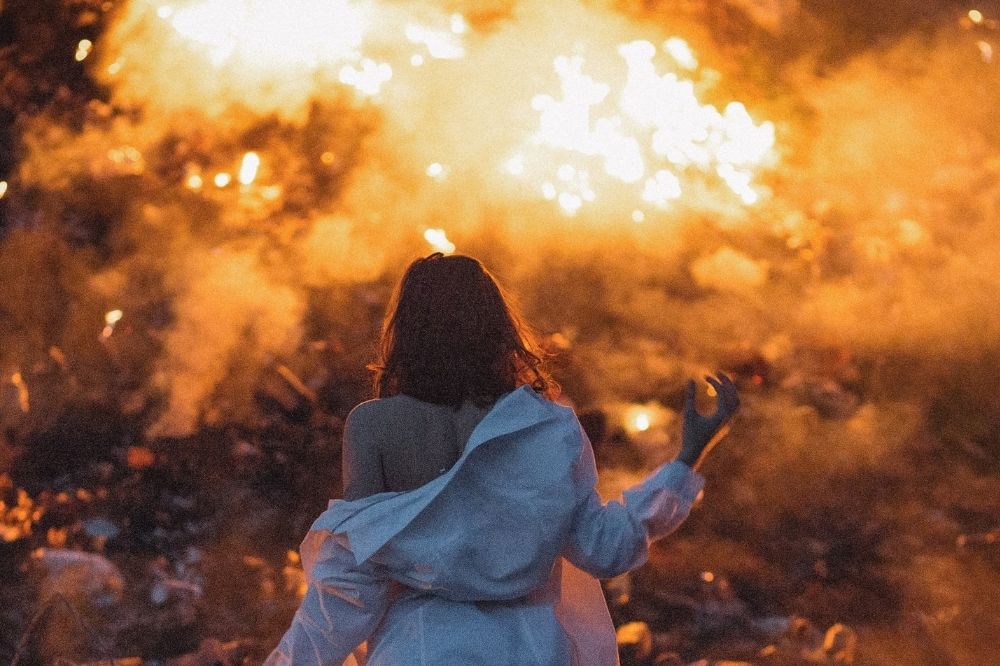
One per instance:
[(683, 480)]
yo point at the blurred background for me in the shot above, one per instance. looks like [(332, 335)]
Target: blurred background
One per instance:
[(204, 205)]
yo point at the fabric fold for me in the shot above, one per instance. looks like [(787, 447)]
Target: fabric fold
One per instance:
[(480, 552)]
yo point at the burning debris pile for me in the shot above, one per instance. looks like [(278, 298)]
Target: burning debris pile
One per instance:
[(204, 204)]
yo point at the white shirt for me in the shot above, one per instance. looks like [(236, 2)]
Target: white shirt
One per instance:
[(495, 561)]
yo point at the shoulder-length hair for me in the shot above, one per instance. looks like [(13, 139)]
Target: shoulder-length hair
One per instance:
[(450, 335)]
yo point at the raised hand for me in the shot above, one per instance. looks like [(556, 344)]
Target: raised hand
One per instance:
[(701, 433)]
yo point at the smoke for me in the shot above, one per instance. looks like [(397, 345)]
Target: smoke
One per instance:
[(256, 181)]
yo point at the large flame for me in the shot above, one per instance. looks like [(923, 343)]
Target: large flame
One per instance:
[(652, 132), (643, 137)]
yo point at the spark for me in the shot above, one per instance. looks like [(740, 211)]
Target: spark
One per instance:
[(83, 49), (985, 50), (437, 171), (366, 78), (222, 179), (641, 418), (439, 241), (111, 319), (248, 168), (194, 182), (128, 159), (514, 165), (439, 44), (416, 60), (23, 397), (681, 53), (570, 203), (638, 216), (975, 16), (3, 188), (458, 24), (662, 188)]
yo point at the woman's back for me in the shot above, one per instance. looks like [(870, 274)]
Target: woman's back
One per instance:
[(400, 443)]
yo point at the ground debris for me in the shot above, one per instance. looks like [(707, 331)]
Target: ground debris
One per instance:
[(635, 643), (213, 652)]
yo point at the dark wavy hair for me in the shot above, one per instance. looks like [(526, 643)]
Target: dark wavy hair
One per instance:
[(451, 335)]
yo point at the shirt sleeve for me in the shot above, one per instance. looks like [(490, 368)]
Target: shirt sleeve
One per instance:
[(343, 605), (361, 461), (607, 539)]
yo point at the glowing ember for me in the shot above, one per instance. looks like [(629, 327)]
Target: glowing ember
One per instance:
[(437, 171), (248, 168), (985, 50), (111, 318), (439, 241), (222, 179), (23, 397), (83, 49), (975, 16), (3, 188), (642, 418)]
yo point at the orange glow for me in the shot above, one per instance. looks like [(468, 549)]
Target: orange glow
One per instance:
[(648, 131), (438, 240), (643, 418), (83, 49), (23, 397)]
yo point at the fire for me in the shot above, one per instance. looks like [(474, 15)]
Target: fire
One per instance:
[(650, 133), (641, 421), (640, 418), (405, 114), (637, 134), (23, 397), (83, 50), (111, 319), (248, 168), (264, 34), (438, 240)]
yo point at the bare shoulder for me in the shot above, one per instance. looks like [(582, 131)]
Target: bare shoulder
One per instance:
[(365, 417), (376, 414)]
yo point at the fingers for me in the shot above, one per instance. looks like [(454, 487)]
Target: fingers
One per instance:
[(731, 397), (727, 397)]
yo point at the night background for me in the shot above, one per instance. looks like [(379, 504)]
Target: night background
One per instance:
[(205, 204)]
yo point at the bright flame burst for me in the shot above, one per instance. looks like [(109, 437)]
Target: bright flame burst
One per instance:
[(650, 135), (643, 142), (268, 34)]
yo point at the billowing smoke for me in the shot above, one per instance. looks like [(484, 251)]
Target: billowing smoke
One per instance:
[(668, 187)]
